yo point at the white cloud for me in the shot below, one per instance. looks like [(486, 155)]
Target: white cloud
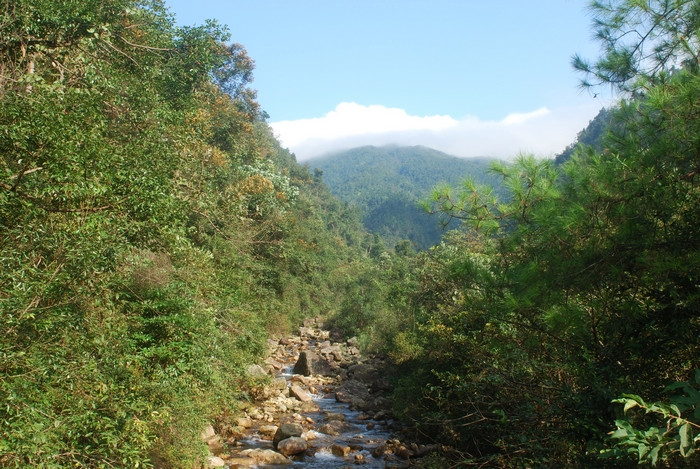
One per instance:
[(543, 132)]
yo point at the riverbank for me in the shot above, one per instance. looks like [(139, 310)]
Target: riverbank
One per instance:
[(323, 405)]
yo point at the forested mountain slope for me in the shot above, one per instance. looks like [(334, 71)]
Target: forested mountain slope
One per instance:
[(387, 183), (592, 136), (152, 235)]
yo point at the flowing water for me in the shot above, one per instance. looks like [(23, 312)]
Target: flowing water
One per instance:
[(359, 433)]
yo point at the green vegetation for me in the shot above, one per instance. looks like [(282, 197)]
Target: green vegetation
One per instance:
[(153, 234), (387, 183), (550, 331)]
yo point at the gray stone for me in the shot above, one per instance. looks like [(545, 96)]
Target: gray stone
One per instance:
[(285, 431), (352, 390), (292, 445), (310, 364)]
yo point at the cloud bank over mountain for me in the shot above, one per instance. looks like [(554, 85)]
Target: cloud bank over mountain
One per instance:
[(543, 131)]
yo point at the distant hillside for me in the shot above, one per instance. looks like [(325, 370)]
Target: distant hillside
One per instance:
[(592, 135), (387, 182)]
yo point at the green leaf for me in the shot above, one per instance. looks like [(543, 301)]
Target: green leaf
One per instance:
[(654, 455), (686, 434), (629, 404)]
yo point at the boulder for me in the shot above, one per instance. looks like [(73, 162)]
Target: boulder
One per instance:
[(300, 393), (285, 431), (244, 422), (215, 461), (352, 390), (292, 445), (266, 456), (256, 371), (340, 450), (279, 384), (267, 430), (364, 372), (336, 427), (208, 432), (310, 364)]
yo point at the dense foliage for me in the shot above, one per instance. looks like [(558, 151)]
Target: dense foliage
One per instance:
[(386, 184), (559, 328), (152, 233)]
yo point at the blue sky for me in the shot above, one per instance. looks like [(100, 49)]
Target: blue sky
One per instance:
[(472, 78)]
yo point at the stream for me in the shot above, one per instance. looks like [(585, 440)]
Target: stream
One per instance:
[(324, 408)]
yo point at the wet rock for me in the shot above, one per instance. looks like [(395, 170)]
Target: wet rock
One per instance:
[(380, 451), (309, 407), (266, 456), (336, 427), (285, 431), (300, 393), (292, 445), (311, 364), (340, 450), (335, 416)]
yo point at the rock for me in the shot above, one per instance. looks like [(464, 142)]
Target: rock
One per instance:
[(208, 432), (402, 452), (309, 407), (335, 416), (244, 422), (285, 431), (340, 450), (364, 372), (311, 364), (215, 461), (351, 390), (422, 450), (292, 445), (279, 384), (256, 371), (379, 451), (266, 456), (300, 393), (336, 427), (267, 430), (215, 445)]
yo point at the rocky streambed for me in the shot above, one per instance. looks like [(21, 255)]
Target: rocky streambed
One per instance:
[(326, 407)]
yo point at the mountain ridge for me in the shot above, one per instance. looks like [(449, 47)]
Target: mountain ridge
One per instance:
[(387, 182)]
